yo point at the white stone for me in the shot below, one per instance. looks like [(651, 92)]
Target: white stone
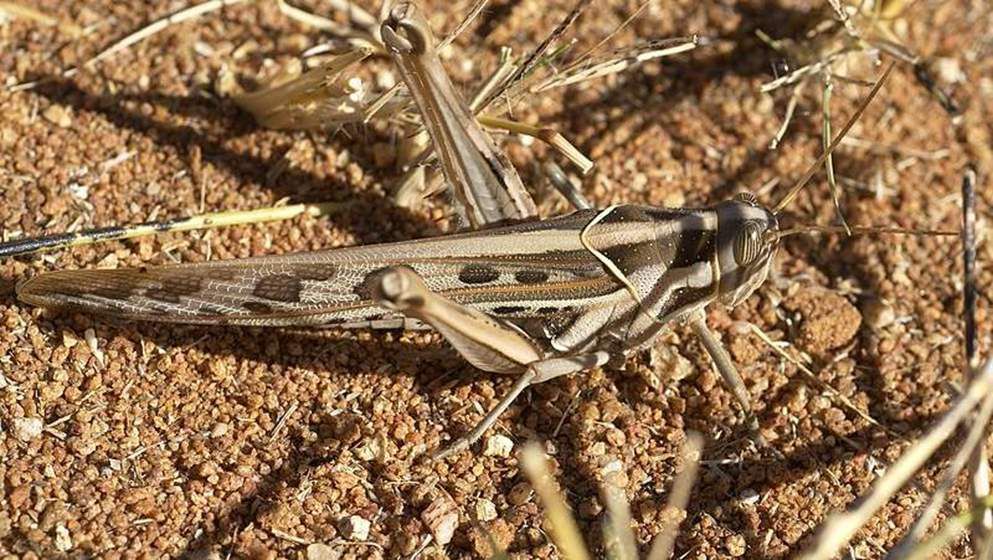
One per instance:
[(27, 429), (63, 540), (57, 115), (220, 429), (355, 528), (321, 551), (485, 510), (750, 497), (498, 446), (442, 519)]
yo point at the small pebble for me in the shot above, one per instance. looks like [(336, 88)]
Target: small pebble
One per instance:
[(358, 89), (110, 261), (666, 361), (57, 115), (82, 192), (91, 340), (220, 429), (950, 71), (321, 551), (63, 540), (369, 450), (69, 339), (385, 79), (485, 510), (878, 314), (442, 519), (355, 528), (612, 467), (675, 200), (520, 494), (736, 545), (750, 497), (498, 446), (27, 429)]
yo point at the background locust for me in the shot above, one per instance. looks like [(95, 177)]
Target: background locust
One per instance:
[(519, 295)]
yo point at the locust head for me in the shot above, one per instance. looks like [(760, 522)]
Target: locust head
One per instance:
[(747, 239), (748, 233)]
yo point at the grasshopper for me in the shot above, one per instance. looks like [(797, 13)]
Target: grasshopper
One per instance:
[(512, 293)]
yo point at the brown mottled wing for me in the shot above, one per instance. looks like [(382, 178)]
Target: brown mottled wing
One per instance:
[(536, 268), (285, 292)]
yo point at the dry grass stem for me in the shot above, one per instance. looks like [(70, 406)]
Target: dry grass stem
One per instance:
[(535, 57), (979, 468), (679, 498), (965, 453), (564, 531), (829, 160), (16, 10), (948, 532), (361, 40), (788, 118), (619, 540), (157, 26), (471, 15), (839, 528), (548, 135), (616, 61), (212, 220)]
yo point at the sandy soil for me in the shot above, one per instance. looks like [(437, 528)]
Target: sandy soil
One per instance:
[(172, 440)]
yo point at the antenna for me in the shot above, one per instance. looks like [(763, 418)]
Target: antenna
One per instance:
[(863, 230)]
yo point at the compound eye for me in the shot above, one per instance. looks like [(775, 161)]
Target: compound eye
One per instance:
[(748, 243)]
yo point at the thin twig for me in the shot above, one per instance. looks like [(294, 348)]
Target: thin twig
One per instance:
[(616, 61), (471, 15), (616, 30), (979, 468), (362, 39), (812, 377), (969, 258), (790, 109)]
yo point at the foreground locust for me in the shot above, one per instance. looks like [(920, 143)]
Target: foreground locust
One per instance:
[(514, 294)]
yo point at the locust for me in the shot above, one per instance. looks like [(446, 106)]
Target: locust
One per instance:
[(512, 293)]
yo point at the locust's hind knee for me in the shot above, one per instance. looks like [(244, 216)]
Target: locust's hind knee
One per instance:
[(399, 288), (484, 341)]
